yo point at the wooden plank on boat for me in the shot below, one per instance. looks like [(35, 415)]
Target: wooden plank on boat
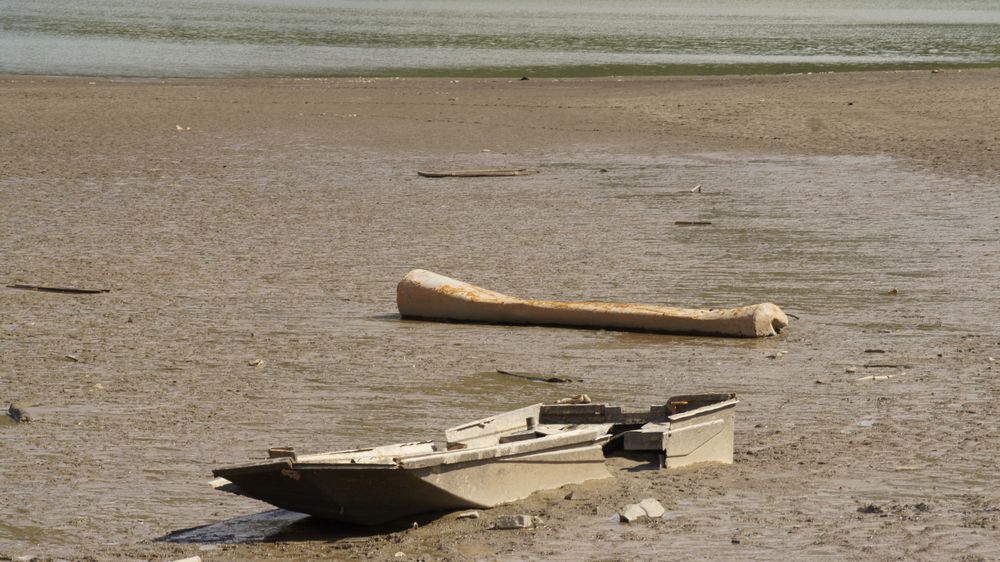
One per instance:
[(583, 436), (487, 431), (269, 465), (688, 402), (572, 413), (650, 438), (631, 418), (484, 173)]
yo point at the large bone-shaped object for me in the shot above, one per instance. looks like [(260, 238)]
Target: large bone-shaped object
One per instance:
[(427, 295)]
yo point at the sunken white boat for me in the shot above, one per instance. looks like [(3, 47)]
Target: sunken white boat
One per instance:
[(487, 462), (426, 295)]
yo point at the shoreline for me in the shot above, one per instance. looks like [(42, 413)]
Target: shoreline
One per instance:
[(943, 121), (690, 70)]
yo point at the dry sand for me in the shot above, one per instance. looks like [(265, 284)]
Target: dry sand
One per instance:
[(251, 233)]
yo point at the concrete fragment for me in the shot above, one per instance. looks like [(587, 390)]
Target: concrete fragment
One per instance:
[(652, 508), (516, 522), (632, 513)]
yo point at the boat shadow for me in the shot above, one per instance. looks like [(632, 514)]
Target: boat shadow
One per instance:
[(280, 525)]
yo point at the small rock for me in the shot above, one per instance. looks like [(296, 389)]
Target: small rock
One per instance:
[(516, 522), (256, 363), (652, 508), (18, 413), (399, 554), (696, 189), (468, 515), (570, 495), (871, 509), (189, 559), (851, 370), (632, 513)]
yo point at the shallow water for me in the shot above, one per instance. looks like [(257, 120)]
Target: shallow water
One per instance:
[(509, 37)]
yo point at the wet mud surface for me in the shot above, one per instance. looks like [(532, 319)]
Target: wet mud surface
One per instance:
[(252, 260)]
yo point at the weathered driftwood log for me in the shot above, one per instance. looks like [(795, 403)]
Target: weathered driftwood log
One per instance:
[(426, 295)]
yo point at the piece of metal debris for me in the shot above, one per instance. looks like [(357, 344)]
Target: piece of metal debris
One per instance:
[(516, 522)]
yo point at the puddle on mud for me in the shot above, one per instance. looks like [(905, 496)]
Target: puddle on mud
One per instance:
[(274, 525)]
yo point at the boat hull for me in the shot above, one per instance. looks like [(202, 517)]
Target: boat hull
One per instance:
[(370, 495), (426, 295)]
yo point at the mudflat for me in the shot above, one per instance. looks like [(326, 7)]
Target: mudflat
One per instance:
[(250, 235)]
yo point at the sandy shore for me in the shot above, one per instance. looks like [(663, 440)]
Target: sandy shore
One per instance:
[(945, 121), (251, 233)]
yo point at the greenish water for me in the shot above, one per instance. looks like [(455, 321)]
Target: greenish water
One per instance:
[(505, 37)]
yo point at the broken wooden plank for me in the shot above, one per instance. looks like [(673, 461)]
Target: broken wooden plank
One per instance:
[(484, 173), (537, 377), (69, 290), (572, 413)]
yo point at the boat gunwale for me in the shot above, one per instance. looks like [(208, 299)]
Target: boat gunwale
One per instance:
[(708, 408), (504, 451)]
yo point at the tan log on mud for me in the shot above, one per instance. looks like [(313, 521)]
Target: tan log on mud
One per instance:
[(427, 295)]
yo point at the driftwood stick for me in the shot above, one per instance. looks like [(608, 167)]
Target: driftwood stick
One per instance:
[(537, 377), (69, 290), (486, 173)]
